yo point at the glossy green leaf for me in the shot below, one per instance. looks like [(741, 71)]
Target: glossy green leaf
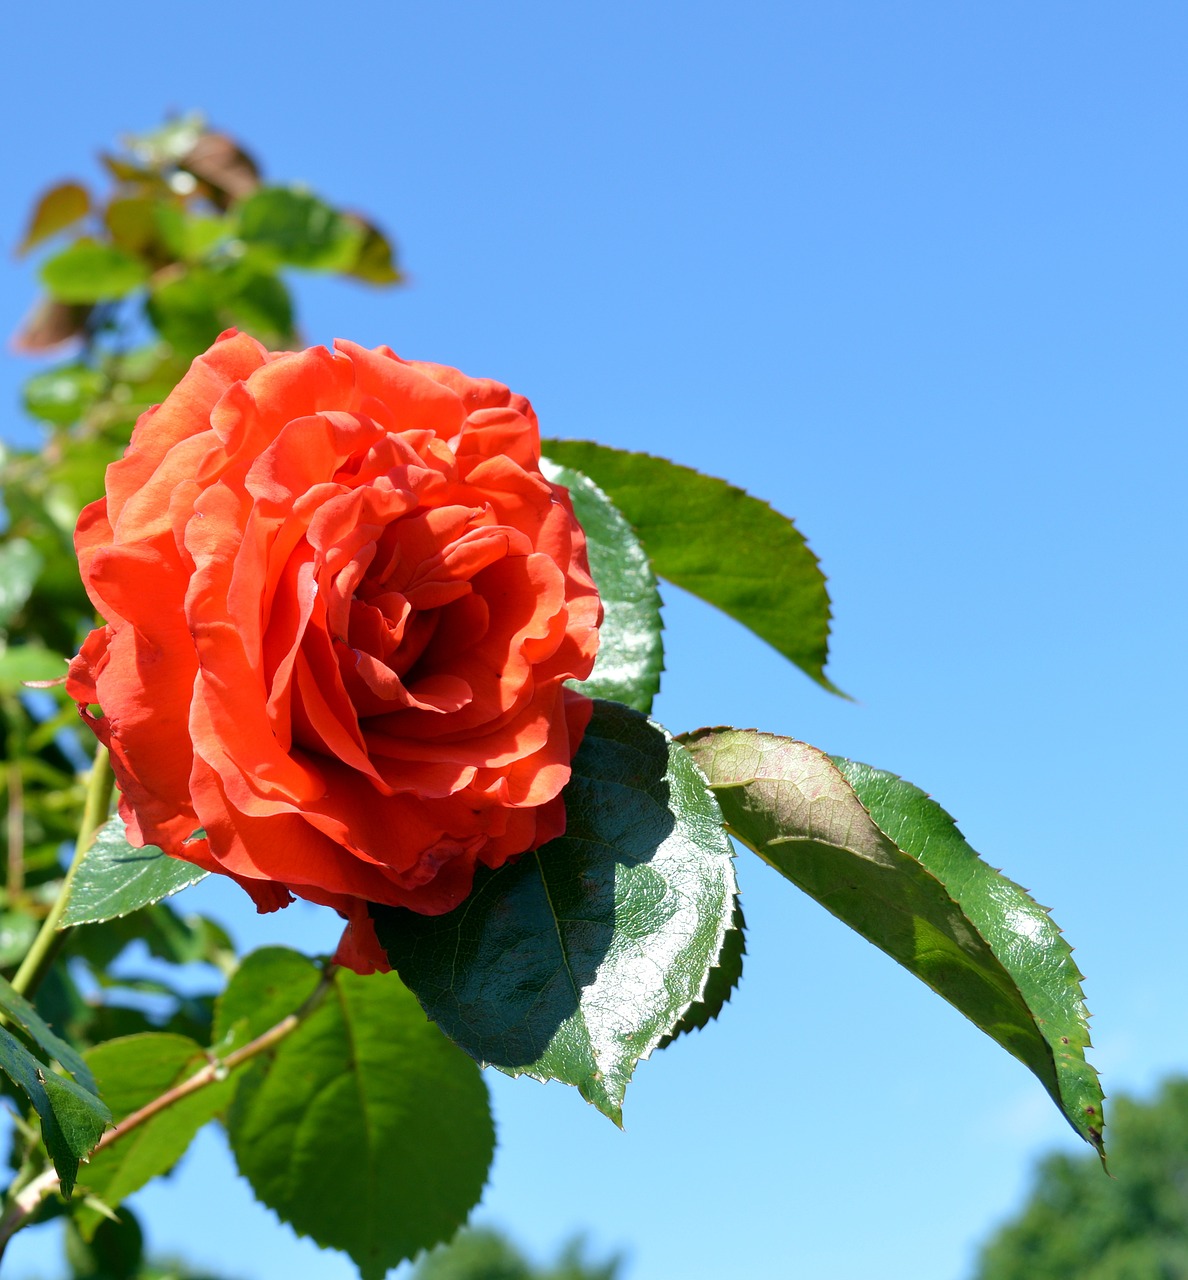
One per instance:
[(630, 649), (21, 662), (132, 1072), (1020, 932), (58, 208), (62, 395), (72, 1117), (300, 229), (724, 977), (20, 565), (720, 543), (800, 812), (115, 878), (89, 271), (365, 1129), (573, 963)]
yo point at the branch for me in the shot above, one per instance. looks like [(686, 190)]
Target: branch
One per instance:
[(28, 1199), (50, 938)]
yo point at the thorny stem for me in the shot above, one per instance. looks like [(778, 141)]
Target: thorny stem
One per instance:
[(50, 938), (28, 1199)]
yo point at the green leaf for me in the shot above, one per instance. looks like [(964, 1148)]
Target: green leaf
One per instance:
[(89, 271), (375, 261), (366, 1129), (260, 304), (573, 963), (190, 310), (184, 309), (72, 1118), (188, 236), (300, 229), (58, 208), (720, 543), (630, 649), (21, 662), (132, 1072), (116, 878), (17, 931), (1019, 931), (62, 395), (723, 978), (116, 1252), (20, 1011), (20, 565), (270, 984), (963, 929), (132, 222)]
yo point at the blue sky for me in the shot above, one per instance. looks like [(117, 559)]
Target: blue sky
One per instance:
[(913, 272)]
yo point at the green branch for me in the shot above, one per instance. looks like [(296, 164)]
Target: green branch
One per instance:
[(27, 1199), (50, 938)]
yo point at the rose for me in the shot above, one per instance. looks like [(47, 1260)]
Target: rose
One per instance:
[(342, 602)]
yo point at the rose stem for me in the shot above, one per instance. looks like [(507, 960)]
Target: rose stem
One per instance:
[(50, 938), (28, 1199)]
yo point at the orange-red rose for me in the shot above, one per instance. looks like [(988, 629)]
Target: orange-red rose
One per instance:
[(341, 603)]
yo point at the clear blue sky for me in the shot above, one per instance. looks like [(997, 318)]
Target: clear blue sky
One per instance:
[(913, 272)]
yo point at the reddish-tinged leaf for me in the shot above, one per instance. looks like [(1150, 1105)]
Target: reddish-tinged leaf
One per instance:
[(57, 209)]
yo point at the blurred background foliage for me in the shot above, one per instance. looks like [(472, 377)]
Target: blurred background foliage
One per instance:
[(1077, 1225), (186, 238), (116, 1252)]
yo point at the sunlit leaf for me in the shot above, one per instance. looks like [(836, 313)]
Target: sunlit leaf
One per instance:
[(573, 963), (72, 1117), (132, 1072), (21, 1013), (630, 648), (720, 543), (89, 271), (365, 1129), (300, 229), (1021, 933), (723, 978), (116, 878), (882, 857)]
